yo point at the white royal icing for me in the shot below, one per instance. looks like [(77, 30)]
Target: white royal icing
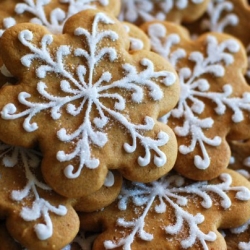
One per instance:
[(144, 9), (195, 87), (110, 179), (57, 16), (171, 191), (135, 43), (79, 85), (5, 71), (11, 156)]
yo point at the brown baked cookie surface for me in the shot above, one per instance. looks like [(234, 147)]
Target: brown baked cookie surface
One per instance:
[(89, 102), (36, 217), (214, 104), (171, 213)]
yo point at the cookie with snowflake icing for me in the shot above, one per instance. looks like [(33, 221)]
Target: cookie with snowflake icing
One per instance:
[(171, 213), (139, 11), (29, 205), (49, 13), (226, 16), (215, 98), (94, 99)]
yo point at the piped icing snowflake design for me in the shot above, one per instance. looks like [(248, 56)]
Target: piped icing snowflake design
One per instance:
[(146, 10), (41, 208), (56, 18), (79, 83), (196, 89), (173, 195), (229, 16)]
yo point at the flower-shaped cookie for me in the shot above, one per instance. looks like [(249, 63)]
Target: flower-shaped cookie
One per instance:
[(172, 213), (215, 98), (139, 11), (227, 16), (34, 213), (89, 103)]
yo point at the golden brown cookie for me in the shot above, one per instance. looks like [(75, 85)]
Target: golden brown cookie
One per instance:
[(215, 99), (139, 11), (36, 216), (226, 16), (88, 102), (172, 213)]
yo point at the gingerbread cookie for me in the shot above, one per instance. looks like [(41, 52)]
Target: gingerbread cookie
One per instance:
[(215, 98), (97, 102), (172, 213), (139, 11), (228, 16), (34, 213)]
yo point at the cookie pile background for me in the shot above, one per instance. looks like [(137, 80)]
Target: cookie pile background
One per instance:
[(124, 124)]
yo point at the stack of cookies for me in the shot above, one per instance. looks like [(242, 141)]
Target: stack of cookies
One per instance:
[(124, 124)]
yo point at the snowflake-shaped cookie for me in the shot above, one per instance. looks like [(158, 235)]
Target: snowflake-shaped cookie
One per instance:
[(139, 11), (28, 202), (172, 213), (99, 101), (215, 99)]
